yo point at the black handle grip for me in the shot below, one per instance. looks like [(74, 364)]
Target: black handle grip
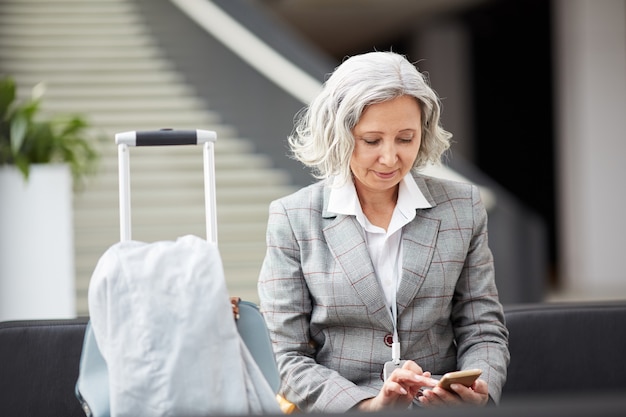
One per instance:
[(165, 137)]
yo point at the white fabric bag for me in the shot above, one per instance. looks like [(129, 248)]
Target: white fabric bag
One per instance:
[(162, 318)]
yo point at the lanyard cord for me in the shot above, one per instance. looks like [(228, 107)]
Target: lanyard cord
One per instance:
[(395, 346)]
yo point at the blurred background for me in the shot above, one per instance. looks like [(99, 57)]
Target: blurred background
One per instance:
[(534, 92)]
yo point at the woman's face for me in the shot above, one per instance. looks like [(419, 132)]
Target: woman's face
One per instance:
[(387, 139)]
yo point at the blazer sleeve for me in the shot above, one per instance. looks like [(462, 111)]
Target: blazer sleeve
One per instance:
[(286, 305), (477, 315)]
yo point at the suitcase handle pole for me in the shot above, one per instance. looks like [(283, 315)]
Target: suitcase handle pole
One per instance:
[(124, 178), (167, 137), (209, 191)]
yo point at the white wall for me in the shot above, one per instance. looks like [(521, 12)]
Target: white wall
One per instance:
[(590, 69)]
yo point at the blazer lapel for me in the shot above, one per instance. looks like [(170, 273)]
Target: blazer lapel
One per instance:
[(419, 238), (345, 239)]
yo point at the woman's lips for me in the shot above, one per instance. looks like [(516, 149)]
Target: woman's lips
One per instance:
[(386, 175)]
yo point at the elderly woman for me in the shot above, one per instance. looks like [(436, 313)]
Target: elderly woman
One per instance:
[(377, 266)]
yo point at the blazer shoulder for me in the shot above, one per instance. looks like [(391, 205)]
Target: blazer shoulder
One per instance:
[(310, 196), (442, 189)]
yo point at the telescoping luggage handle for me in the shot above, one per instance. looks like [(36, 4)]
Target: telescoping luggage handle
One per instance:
[(167, 137)]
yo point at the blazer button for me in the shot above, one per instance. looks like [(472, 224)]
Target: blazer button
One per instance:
[(389, 339)]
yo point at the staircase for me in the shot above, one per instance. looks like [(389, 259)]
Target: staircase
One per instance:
[(96, 57)]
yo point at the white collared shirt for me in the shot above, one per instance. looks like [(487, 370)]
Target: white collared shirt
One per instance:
[(384, 246)]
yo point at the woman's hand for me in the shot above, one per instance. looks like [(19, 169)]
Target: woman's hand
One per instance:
[(477, 394), (399, 389)]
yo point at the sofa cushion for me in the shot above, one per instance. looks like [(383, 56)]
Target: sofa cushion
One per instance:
[(39, 367), (566, 348)]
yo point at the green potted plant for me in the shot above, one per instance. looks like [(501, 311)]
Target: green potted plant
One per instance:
[(43, 160), (26, 138)]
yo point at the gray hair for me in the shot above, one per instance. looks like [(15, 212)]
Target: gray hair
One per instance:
[(322, 136)]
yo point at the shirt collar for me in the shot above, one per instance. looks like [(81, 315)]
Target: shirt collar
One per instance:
[(344, 200)]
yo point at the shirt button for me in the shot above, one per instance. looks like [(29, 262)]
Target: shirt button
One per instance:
[(389, 339)]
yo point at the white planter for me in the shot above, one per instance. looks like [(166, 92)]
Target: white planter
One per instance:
[(36, 243)]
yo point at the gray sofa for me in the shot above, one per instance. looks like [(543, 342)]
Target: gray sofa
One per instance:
[(566, 359)]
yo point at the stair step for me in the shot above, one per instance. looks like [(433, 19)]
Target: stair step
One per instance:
[(159, 117), (62, 44), (88, 67), (69, 105), (81, 79), (85, 53), (59, 91)]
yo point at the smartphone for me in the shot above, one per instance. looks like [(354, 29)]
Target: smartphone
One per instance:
[(466, 377)]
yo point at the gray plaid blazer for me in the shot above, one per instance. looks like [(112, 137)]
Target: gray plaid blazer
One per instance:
[(326, 312)]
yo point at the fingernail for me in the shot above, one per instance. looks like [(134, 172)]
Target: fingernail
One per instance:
[(402, 391)]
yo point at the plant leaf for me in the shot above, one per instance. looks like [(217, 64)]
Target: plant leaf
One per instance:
[(7, 96), (23, 165), (19, 126)]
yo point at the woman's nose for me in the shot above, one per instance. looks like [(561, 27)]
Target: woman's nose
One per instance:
[(388, 155)]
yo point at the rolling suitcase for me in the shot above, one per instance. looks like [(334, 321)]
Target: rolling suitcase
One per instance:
[(116, 291)]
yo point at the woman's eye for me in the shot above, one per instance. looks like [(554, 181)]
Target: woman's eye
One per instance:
[(406, 139), (371, 141)]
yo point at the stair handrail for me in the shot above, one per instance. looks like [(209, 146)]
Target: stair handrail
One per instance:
[(239, 40)]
